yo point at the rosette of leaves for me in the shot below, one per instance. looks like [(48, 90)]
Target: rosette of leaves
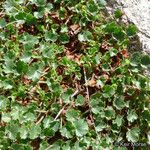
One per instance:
[(67, 80)]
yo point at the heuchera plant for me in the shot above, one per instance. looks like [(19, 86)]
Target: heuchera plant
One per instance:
[(67, 80)]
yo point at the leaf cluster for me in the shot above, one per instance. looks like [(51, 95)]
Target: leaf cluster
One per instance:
[(67, 80)]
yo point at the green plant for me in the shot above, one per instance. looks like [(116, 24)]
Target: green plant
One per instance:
[(67, 80)]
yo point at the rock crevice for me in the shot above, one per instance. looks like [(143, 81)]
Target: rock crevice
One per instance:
[(138, 12)]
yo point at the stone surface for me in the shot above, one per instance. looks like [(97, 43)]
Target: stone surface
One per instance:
[(138, 12)]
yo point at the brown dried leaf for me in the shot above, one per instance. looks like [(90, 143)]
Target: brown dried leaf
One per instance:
[(125, 53), (91, 83), (75, 28), (106, 76)]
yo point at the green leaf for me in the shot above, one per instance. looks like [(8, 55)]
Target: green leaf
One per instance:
[(109, 91), (21, 67), (2, 23), (118, 33), (92, 7), (11, 131), (146, 115), (72, 114), (28, 39), (49, 7), (52, 129), (81, 38), (118, 13), (7, 84), (64, 38), (55, 125), (43, 145), (119, 102), (132, 116), (56, 145), (15, 114), (23, 132), (97, 103), (47, 121), (88, 35), (62, 13), (6, 117), (29, 116), (66, 96), (67, 146), (110, 27), (26, 56), (9, 66), (67, 130), (109, 113), (100, 83), (135, 59), (133, 134), (81, 127), (34, 71), (50, 36), (39, 3), (35, 131), (131, 30), (30, 19), (20, 16), (145, 60), (80, 100), (4, 102), (100, 126), (64, 29), (39, 14), (101, 2), (105, 67), (15, 146), (93, 50), (97, 58), (54, 27), (113, 52), (85, 36), (118, 120), (48, 51), (48, 132)]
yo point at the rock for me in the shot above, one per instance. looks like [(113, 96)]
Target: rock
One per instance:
[(137, 12)]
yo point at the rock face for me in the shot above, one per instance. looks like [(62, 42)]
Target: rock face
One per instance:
[(138, 12)]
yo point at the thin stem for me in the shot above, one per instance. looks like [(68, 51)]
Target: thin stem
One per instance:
[(41, 111), (87, 89), (40, 120), (88, 98), (59, 113), (75, 93)]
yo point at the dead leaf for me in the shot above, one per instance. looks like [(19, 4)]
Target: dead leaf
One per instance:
[(25, 80), (125, 53), (75, 29), (91, 83), (106, 76)]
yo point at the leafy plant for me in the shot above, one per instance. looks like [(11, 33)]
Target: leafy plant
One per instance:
[(67, 80)]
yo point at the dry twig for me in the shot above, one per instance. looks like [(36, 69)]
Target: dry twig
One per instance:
[(88, 98)]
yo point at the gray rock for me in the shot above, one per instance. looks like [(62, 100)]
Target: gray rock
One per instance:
[(138, 12)]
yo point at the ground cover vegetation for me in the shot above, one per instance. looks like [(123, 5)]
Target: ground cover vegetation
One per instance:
[(67, 80)]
